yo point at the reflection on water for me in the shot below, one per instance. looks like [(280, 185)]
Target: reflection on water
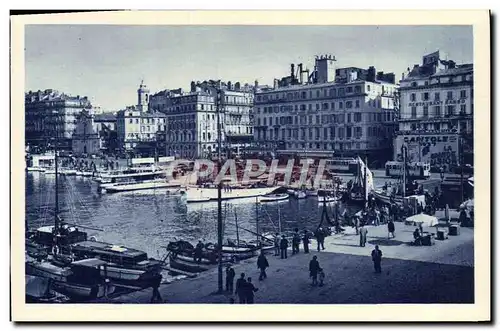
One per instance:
[(148, 220)]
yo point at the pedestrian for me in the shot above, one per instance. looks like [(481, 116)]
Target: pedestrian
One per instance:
[(230, 279), (313, 270), (305, 241), (295, 242), (250, 290), (283, 247), (198, 252), (156, 297), (362, 236), (277, 244), (262, 264), (391, 228), (240, 288), (377, 259), (356, 224), (320, 238)]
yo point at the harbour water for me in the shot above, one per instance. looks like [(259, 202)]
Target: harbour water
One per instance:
[(148, 220)]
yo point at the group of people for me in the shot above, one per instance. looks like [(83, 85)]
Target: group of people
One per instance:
[(245, 290), (281, 244)]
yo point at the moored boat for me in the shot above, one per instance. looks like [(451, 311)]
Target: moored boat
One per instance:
[(35, 169), (153, 184), (201, 194), (80, 281), (274, 197)]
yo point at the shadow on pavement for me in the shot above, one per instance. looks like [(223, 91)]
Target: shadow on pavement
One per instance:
[(386, 242)]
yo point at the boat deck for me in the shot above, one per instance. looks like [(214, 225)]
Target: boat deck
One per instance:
[(101, 248)]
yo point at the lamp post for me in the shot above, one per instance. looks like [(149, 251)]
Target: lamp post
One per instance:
[(441, 173)]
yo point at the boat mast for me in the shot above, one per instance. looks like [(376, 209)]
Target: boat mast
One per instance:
[(365, 188), (403, 151), (56, 211), (237, 230), (279, 219), (219, 190), (257, 220)]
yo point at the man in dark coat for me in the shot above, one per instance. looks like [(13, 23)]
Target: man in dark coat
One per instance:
[(230, 279), (240, 288), (313, 270), (198, 251), (305, 241), (377, 259), (320, 238), (391, 228), (295, 242), (262, 264), (283, 247), (250, 290), (363, 232)]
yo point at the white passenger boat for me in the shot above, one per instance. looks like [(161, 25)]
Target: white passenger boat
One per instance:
[(35, 169), (200, 194), (153, 184), (327, 199), (67, 172), (121, 181), (274, 197)]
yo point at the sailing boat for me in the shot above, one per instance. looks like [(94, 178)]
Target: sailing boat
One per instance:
[(362, 185), (403, 188)]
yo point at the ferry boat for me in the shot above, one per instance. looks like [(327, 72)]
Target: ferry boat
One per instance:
[(35, 169), (108, 176), (145, 185), (203, 194), (81, 280), (128, 181)]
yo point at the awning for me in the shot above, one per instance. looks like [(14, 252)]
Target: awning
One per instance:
[(424, 219)]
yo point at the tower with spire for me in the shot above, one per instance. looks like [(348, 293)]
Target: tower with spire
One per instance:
[(142, 97)]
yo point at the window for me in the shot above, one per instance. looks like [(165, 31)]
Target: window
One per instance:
[(310, 106), (317, 119), (437, 111), (317, 106), (437, 96), (317, 94), (426, 111), (332, 106), (333, 92), (341, 91), (348, 118), (425, 96), (463, 94), (348, 104), (349, 89), (357, 103), (450, 110), (463, 109), (413, 112), (265, 121), (357, 117), (412, 97), (271, 121), (325, 106), (332, 133), (131, 121), (357, 89), (449, 95), (310, 119), (341, 105), (368, 88), (136, 121)]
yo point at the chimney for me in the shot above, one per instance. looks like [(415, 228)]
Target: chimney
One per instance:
[(292, 70), (275, 85), (256, 83), (229, 85)]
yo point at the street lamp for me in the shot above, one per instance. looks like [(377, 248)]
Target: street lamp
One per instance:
[(441, 173)]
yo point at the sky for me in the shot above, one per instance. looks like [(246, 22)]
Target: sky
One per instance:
[(108, 62)]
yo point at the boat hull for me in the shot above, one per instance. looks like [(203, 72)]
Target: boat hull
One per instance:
[(195, 194), (272, 198), (140, 186), (192, 267)]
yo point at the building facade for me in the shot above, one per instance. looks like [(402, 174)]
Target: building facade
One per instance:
[(330, 112), (436, 113), (94, 134), (192, 118), (138, 124), (52, 114)]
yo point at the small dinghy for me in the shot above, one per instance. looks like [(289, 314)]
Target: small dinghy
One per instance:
[(274, 197)]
